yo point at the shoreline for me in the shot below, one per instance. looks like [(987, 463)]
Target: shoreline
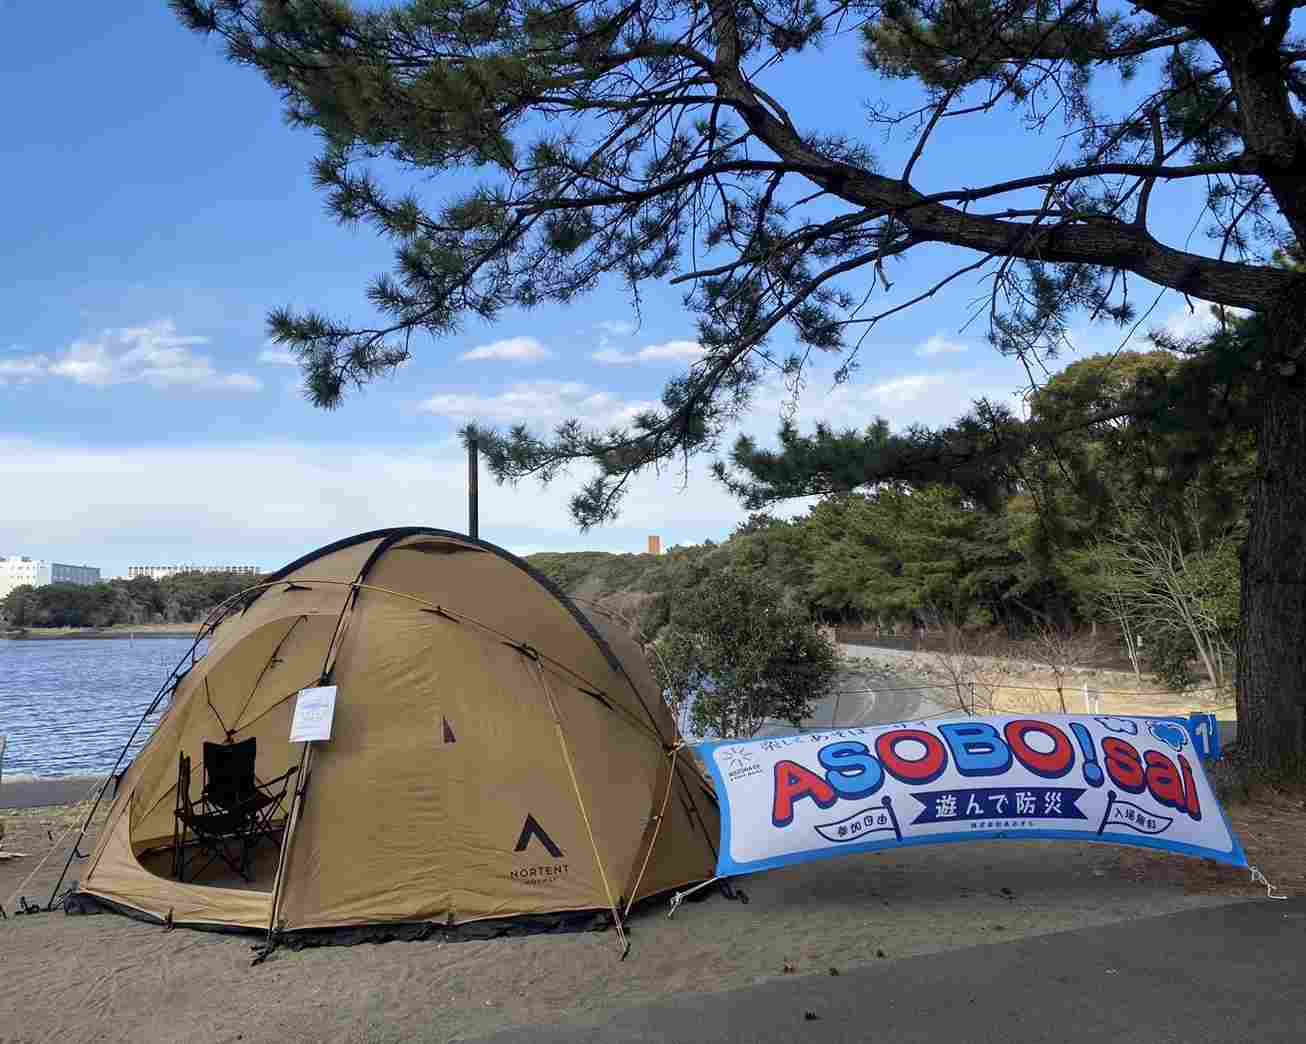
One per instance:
[(17, 792), (108, 634)]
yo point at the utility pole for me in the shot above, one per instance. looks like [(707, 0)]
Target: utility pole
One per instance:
[(473, 508)]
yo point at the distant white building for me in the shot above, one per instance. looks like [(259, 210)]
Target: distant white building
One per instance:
[(158, 572), (16, 571)]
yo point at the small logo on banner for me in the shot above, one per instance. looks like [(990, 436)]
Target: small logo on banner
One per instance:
[(740, 762), (945, 806), (532, 829), (878, 819), (1133, 817), (1170, 733)]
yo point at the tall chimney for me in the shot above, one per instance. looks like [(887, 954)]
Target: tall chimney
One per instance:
[(473, 491), (655, 545)]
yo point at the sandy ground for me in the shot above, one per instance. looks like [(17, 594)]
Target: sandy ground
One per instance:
[(44, 836), (108, 978)]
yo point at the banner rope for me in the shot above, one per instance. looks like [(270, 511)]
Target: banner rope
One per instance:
[(1259, 878), (680, 897), (56, 845)]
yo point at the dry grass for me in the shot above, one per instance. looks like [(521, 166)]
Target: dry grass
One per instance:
[(1271, 823), (1052, 681), (1036, 692)]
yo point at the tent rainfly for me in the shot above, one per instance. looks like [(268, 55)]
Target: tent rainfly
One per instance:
[(496, 752)]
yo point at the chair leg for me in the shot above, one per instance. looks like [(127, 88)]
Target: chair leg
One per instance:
[(265, 826), (216, 848), (179, 851)]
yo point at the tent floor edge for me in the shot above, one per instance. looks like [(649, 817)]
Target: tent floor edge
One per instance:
[(594, 919), (567, 923)]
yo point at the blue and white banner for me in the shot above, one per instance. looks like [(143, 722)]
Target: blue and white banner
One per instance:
[(1129, 781)]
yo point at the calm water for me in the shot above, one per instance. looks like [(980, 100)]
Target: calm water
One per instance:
[(69, 706)]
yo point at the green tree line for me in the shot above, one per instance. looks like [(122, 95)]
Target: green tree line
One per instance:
[(181, 599), (1123, 522)]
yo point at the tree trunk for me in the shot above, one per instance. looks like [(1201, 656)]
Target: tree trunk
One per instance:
[(1272, 636), (1204, 653)]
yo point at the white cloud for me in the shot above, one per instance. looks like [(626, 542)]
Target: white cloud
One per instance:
[(109, 506), (1198, 321), (537, 402), (278, 357), (617, 327), (24, 369), (932, 399), (939, 399), (85, 364), (512, 349), (1181, 323), (667, 351), (153, 354), (903, 390), (1185, 323), (671, 350), (938, 345)]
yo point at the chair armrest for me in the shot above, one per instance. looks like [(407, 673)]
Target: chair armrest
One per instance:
[(279, 779)]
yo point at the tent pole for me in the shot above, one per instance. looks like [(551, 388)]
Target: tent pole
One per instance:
[(589, 829), (302, 777), (169, 685), (283, 857)]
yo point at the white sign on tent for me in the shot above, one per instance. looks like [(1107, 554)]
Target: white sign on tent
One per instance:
[(315, 709)]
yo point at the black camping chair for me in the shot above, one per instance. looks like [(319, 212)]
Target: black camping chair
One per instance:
[(213, 831), (230, 784), (234, 806)]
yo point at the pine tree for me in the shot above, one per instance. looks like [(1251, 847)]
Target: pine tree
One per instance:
[(635, 139)]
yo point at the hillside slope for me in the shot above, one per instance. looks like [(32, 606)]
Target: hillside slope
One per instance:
[(621, 583)]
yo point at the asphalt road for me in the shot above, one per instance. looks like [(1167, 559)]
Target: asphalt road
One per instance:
[(890, 698), (1211, 976), (33, 793), (894, 700)]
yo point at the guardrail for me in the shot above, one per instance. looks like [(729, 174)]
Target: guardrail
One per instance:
[(1009, 649)]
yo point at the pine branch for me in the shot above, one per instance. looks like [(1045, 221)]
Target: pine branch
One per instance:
[(638, 143)]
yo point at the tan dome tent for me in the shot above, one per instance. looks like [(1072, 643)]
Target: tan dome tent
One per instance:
[(495, 752)]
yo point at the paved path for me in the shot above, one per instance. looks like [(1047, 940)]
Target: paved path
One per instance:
[(33, 793), (1211, 976), (896, 699)]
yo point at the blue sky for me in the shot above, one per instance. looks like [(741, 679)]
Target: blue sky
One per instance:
[(157, 207)]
